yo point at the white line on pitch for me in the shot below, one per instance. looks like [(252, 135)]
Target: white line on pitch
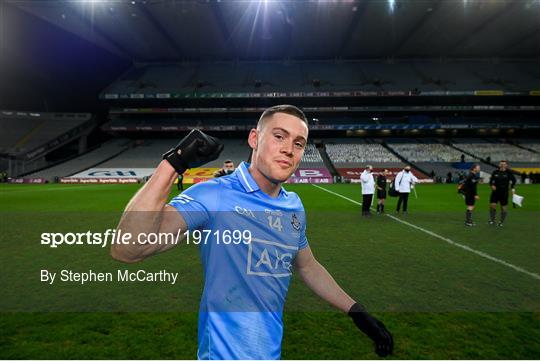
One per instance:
[(447, 240), (337, 194)]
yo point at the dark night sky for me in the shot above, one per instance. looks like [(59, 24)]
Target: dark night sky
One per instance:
[(44, 68)]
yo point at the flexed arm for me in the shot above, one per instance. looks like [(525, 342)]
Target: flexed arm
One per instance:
[(147, 212)]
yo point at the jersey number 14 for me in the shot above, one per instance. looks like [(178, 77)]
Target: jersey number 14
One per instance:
[(275, 223)]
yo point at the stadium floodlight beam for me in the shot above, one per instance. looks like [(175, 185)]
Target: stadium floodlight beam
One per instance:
[(391, 5)]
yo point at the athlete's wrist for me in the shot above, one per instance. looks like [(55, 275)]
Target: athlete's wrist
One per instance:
[(355, 308), (166, 167)]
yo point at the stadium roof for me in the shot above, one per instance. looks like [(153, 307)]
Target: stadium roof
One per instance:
[(167, 30)]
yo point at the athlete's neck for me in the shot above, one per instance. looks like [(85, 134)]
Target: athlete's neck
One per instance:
[(267, 185)]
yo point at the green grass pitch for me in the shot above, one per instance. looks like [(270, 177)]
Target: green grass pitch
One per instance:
[(443, 290)]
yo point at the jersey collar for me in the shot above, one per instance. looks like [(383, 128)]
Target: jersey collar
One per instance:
[(247, 181), (245, 178)]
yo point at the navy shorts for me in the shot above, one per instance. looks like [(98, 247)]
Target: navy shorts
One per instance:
[(499, 197), (469, 200)]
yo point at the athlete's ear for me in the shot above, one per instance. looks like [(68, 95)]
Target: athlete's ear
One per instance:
[(253, 138)]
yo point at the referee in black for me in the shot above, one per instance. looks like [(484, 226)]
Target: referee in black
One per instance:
[(469, 190), (501, 181), (381, 191)]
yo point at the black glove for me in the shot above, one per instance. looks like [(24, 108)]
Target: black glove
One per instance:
[(194, 150), (384, 343)]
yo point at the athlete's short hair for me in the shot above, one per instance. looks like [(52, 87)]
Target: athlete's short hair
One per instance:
[(284, 108)]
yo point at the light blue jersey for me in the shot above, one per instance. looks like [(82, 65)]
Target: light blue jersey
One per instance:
[(245, 284)]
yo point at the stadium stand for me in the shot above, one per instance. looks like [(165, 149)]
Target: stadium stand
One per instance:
[(95, 157), (361, 155), (147, 154), (418, 152), (435, 158), (311, 154), (531, 144), (21, 132), (162, 78), (244, 77), (504, 75), (26, 138), (13, 131), (236, 150), (498, 151), (350, 159), (535, 147), (312, 157)]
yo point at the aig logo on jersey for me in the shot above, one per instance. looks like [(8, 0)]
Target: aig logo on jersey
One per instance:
[(270, 259)]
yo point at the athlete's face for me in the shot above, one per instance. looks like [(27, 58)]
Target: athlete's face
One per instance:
[(503, 166), (278, 146)]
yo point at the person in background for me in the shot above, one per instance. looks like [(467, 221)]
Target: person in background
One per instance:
[(381, 191), (501, 181), (404, 182), (228, 168), (469, 190), (368, 188), (180, 184)]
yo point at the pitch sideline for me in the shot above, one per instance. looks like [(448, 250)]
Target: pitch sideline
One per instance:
[(447, 240)]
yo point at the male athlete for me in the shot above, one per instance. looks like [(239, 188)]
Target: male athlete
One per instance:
[(245, 285), (501, 180)]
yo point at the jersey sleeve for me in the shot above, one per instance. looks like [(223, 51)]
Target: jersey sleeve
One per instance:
[(492, 178), (512, 180), (195, 203), (301, 212), (303, 241)]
